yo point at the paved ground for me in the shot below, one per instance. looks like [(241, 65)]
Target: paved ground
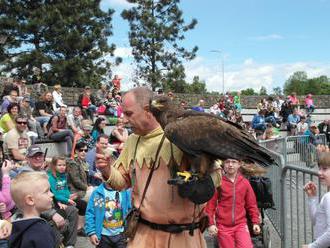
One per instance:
[(275, 240), (83, 243)]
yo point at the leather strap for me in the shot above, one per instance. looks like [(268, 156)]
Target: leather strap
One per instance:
[(134, 157), (171, 228)]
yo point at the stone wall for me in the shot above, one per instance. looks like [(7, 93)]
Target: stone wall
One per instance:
[(323, 101), (70, 96)]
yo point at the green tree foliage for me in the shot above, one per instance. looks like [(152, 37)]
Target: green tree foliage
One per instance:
[(248, 92), (277, 91), (197, 87), (302, 85), (175, 80), (66, 39), (325, 85), (296, 83), (156, 27)]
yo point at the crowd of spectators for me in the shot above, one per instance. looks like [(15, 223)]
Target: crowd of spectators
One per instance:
[(44, 116), (27, 118), (274, 114)]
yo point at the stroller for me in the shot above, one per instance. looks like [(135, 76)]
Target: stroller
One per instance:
[(263, 191)]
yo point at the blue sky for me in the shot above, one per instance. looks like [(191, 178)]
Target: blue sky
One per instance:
[(262, 42)]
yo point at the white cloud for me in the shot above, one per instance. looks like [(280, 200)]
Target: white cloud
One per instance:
[(250, 74), (123, 52), (116, 3), (126, 72), (267, 37)]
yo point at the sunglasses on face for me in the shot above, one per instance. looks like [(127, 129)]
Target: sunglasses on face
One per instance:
[(21, 122), (83, 150)]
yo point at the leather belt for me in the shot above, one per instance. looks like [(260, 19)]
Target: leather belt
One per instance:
[(171, 228)]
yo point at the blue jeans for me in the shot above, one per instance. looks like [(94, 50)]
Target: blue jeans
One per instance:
[(310, 109), (271, 119), (66, 136), (260, 126), (92, 108), (43, 120)]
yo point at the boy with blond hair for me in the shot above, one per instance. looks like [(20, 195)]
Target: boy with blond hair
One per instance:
[(31, 193)]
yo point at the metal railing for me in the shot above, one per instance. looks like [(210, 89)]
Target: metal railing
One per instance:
[(274, 173), (291, 218), (277, 145), (296, 150), (296, 225)]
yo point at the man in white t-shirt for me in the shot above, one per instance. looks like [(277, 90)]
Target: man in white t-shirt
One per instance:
[(16, 141)]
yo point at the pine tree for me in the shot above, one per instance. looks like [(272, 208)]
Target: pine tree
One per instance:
[(67, 39), (156, 27)]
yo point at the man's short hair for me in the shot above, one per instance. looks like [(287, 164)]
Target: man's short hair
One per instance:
[(21, 116), (25, 183), (80, 145), (324, 159), (77, 108), (101, 136), (142, 95)]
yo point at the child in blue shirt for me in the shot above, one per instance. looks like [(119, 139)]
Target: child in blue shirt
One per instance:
[(105, 215)]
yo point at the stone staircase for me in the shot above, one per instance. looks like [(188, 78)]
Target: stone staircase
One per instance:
[(318, 115)]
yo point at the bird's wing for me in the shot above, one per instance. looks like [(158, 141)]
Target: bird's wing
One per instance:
[(188, 113), (203, 134)]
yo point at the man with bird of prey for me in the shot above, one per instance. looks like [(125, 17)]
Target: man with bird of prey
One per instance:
[(167, 219), (184, 174)]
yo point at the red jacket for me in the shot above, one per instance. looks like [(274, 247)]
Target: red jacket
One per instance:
[(236, 199)]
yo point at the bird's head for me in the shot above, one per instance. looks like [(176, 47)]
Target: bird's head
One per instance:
[(159, 103), (163, 108)]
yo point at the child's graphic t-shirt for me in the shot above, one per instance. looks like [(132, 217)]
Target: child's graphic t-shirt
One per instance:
[(113, 223)]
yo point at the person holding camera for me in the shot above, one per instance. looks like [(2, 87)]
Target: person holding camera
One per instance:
[(165, 219)]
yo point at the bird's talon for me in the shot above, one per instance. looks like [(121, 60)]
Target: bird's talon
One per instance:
[(186, 175)]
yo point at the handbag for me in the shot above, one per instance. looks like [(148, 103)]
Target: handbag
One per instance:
[(133, 217)]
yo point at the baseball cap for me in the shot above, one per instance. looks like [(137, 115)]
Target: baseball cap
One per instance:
[(87, 87), (26, 99), (33, 150)]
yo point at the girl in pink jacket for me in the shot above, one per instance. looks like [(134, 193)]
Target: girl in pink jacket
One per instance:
[(228, 208), (6, 203)]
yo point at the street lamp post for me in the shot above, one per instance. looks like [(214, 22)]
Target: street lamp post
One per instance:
[(223, 69)]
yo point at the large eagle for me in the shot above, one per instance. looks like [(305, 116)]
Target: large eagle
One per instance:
[(205, 137)]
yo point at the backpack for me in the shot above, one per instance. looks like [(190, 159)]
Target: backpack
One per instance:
[(262, 187)]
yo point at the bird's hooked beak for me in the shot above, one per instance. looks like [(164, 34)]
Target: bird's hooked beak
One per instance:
[(156, 104)]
